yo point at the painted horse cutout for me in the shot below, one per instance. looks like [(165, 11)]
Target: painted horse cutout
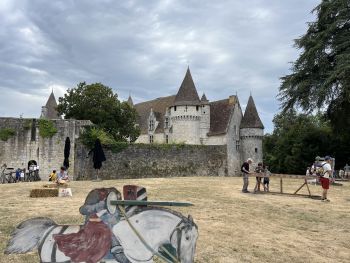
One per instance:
[(110, 234)]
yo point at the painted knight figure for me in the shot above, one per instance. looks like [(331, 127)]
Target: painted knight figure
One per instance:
[(111, 232)]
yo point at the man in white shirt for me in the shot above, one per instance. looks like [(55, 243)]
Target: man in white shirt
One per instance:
[(325, 178)]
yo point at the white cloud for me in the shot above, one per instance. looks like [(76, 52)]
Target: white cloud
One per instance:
[(144, 48)]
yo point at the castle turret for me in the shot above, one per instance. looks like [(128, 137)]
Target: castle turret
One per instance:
[(251, 132), (130, 102), (186, 113), (49, 111)]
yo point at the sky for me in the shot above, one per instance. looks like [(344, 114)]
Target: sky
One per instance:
[(143, 48)]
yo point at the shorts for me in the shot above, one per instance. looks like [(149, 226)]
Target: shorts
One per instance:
[(324, 182)]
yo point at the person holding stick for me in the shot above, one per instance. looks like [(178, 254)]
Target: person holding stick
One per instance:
[(325, 174), (245, 171)]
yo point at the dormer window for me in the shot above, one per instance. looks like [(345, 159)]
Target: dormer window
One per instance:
[(151, 124)]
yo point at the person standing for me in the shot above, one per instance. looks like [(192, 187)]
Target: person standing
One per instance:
[(258, 169), (245, 171), (325, 177)]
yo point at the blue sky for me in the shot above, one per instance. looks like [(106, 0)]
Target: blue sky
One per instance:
[(144, 48)]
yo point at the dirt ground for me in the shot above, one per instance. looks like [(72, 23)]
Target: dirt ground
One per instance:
[(233, 227)]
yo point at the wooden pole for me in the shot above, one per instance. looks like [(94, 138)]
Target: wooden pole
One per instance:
[(300, 188), (307, 187), (281, 185)]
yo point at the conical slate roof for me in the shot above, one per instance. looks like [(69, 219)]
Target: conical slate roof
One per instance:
[(51, 108), (187, 94), (130, 102), (251, 117)]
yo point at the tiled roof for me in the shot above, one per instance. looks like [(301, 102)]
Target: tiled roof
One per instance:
[(51, 108), (187, 94), (220, 112), (159, 107), (251, 117), (204, 98)]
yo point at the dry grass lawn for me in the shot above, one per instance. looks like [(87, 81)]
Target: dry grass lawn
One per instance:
[(233, 227)]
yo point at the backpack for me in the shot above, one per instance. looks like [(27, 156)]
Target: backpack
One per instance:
[(319, 169)]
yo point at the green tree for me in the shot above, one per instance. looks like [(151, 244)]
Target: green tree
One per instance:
[(295, 142), (100, 105), (320, 77)]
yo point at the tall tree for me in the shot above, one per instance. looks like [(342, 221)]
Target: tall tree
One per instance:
[(295, 142), (100, 105), (320, 77)]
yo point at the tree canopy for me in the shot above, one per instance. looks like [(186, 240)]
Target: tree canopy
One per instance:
[(295, 142), (298, 138), (320, 78), (99, 104)]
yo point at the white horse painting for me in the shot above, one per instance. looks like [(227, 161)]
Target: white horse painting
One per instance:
[(142, 237)]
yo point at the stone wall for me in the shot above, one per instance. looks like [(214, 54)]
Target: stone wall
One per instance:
[(140, 161), (234, 147), (26, 144)]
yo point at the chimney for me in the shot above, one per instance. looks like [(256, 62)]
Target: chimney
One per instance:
[(232, 99)]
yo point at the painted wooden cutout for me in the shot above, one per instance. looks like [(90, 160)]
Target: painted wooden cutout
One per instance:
[(124, 234)]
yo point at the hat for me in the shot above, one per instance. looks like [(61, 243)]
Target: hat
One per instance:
[(318, 158), (249, 159), (327, 158)]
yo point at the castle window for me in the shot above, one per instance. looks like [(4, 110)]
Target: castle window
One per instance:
[(197, 107), (256, 150), (186, 108), (174, 108), (235, 129), (167, 139), (151, 139), (151, 124), (166, 123), (237, 145)]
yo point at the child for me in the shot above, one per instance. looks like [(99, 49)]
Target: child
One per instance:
[(53, 176), (266, 181), (258, 169), (22, 174)]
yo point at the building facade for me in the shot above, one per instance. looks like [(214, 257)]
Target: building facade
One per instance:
[(186, 118)]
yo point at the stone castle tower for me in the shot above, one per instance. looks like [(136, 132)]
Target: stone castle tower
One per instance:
[(251, 133), (185, 113), (49, 111)]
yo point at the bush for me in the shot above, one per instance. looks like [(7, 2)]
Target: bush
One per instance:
[(6, 133), (27, 124), (47, 128), (90, 135)]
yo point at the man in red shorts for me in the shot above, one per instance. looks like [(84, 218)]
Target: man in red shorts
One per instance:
[(325, 178)]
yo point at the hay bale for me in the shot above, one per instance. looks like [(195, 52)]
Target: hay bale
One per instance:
[(44, 192)]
